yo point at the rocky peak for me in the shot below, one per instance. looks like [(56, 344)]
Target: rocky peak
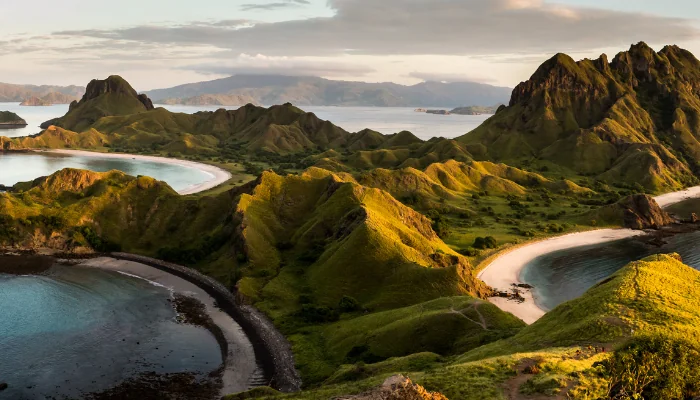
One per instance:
[(560, 72), (114, 85)]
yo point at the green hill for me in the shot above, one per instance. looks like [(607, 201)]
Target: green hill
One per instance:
[(110, 97), (552, 358), (629, 120), (324, 258)]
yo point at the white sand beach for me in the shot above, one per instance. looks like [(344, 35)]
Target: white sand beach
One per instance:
[(505, 270), (218, 175)]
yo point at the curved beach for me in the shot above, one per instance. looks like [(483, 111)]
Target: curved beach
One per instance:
[(218, 175), (506, 269), (241, 370)]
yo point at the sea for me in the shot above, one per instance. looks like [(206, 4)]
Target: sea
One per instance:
[(386, 120)]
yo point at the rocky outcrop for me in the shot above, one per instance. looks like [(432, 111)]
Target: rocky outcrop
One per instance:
[(642, 212), (113, 85), (11, 120), (397, 387)]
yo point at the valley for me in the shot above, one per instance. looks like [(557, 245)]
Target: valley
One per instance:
[(379, 254)]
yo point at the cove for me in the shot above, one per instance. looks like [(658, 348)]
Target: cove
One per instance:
[(183, 176), (90, 328), (564, 275)]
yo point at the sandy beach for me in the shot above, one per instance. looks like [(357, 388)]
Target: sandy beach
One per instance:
[(505, 270), (241, 369), (218, 175)]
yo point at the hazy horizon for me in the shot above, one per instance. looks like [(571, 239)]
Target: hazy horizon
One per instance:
[(498, 42)]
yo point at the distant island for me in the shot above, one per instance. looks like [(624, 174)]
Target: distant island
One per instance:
[(471, 110), (49, 100), (212, 100), (10, 120), (315, 91), (11, 93)]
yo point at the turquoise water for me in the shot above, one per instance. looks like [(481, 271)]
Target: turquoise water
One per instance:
[(24, 167), (564, 275), (81, 330)]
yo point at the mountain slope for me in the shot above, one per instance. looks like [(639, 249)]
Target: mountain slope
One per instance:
[(312, 91), (298, 247), (632, 119)]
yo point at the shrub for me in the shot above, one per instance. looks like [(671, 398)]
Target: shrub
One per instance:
[(318, 314), (655, 367), (348, 304), (482, 243)]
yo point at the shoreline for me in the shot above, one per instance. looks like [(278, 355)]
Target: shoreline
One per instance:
[(506, 269), (219, 175), (239, 370), (272, 349)]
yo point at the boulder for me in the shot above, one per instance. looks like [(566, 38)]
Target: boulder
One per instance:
[(3, 386), (397, 387), (643, 212)]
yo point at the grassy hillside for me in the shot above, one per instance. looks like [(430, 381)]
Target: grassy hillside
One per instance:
[(629, 120), (552, 358), (327, 260)]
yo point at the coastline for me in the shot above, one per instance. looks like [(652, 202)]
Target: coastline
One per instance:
[(272, 349), (240, 370), (218, 175), (505, 269)]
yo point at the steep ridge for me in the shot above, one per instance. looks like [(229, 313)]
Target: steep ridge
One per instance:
[(305, 250), (632, 119)]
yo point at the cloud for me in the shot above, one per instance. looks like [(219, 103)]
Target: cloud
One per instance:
[(263, 65), (449, 77), (418, 27), (274, 6)]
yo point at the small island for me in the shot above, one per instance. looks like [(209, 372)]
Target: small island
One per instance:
[(10, 120), (35, 102)]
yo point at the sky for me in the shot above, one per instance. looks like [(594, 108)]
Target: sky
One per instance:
[(163, 43)]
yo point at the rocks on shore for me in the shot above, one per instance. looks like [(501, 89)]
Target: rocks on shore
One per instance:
[(643, 212)]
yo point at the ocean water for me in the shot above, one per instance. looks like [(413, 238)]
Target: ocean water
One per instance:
[(24, 167), (564, 275), (386, 120), (34, 116), (79, 330)]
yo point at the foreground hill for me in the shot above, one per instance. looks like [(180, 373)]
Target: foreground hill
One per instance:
[(632, 119), (313, 91), (327, 260), (644, 316)]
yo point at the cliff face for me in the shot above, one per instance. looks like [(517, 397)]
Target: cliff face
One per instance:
[(103, 98), (636, 118), (642, 212)]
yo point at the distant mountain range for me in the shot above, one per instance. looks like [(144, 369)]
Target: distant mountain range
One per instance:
[(45, 93), (313, 91)]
